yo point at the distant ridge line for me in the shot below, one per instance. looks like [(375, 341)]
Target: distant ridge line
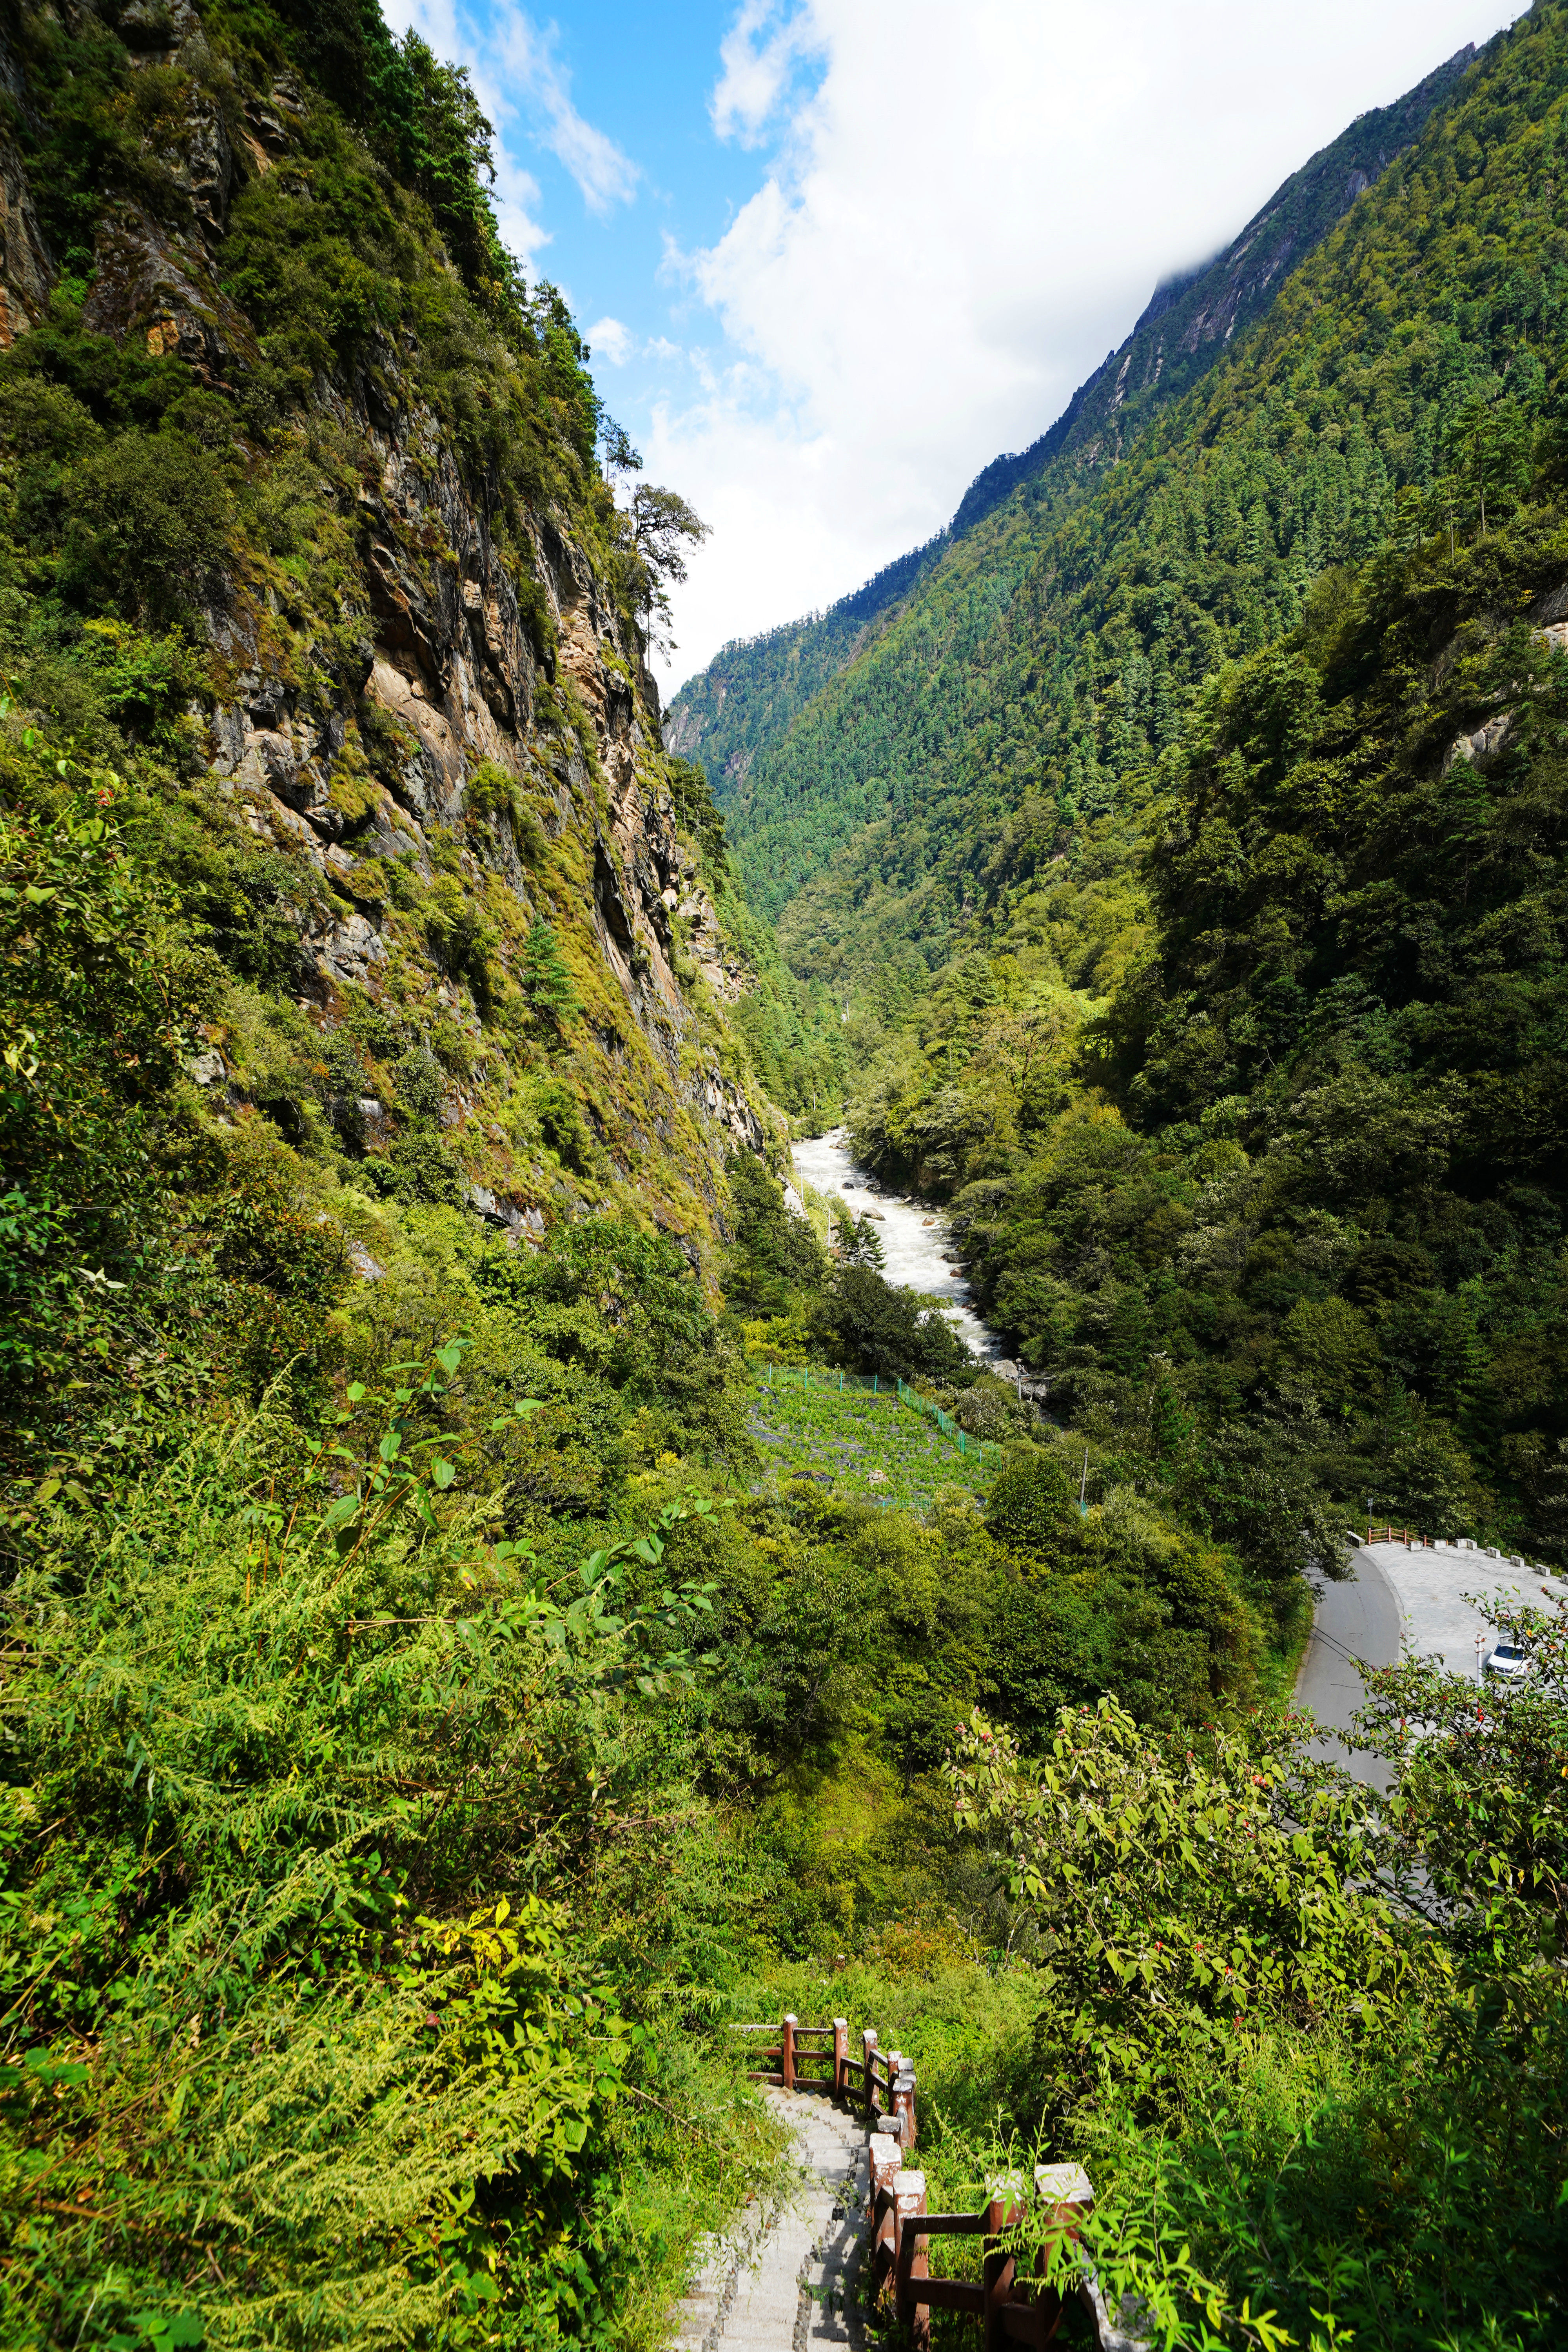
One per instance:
[(1217, 297)]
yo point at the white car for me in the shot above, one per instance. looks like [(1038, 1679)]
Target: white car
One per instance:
[(1507, 1660)]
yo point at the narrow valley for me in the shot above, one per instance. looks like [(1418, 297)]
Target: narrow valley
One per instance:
[(673, 1373)]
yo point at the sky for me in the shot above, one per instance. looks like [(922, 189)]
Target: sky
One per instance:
[(832, 257)]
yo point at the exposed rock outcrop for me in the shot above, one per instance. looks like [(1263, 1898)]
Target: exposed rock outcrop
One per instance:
[(25, 271), (464, 708)]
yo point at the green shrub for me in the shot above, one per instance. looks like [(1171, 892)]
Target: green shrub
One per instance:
[(421, 1087), (1030, 1497), (562, 1125), (146, 522), (420, 1166)]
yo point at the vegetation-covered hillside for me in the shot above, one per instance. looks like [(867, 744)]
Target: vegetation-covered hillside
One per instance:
[(1123, 972), (442, 1689), (1191, 318), (740, 708), (308, 555)]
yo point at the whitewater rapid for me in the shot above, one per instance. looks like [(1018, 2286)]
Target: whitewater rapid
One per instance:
[(915, 1248)]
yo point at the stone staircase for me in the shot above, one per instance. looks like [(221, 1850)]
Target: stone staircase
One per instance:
[(778, 2281)]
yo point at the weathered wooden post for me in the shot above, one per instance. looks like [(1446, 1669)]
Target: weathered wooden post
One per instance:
[(997, 2276), (869, 2071), (883, 2158), (909, 2245), (786, 2056), (1065, 2193), (1006, 2200), (901, 2090), (1068, 2199), (840, 2055), (891, 2119)]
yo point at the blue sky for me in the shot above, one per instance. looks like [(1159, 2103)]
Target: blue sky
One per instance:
[(642, 78), (834, 256)]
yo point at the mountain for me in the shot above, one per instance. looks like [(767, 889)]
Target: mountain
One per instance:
[(461, 1656), (367, 1087), (1193, 316), (744, 702), (330, 581), (752, 689), (1193, 824)]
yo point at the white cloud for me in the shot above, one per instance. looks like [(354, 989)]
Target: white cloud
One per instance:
[(970, 209), (759, 54), (608, 339), (523, 87)]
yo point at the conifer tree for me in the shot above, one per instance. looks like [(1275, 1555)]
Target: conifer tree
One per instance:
[(546, 982), (868, 1246)]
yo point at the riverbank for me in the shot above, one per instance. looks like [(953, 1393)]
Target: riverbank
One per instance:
[(916, 1247)]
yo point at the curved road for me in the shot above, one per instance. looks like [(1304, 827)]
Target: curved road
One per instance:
[(1419, 1599), (1360, 1619)]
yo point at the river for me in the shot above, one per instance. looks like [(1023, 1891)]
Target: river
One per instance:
[(914, 1245)]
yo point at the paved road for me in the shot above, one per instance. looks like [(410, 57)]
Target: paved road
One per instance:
[(1407, 1601), (1360, 1619)]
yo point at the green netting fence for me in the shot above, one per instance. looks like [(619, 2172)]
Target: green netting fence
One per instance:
[(802, 1376)]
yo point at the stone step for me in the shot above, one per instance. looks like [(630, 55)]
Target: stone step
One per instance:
[(749, 2295)]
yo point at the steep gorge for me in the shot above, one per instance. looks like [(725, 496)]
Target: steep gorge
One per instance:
[(1113, 1009), (441, 1691)]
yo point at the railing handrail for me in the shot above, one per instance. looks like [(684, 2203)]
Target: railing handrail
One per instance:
[(1012, 2309), (872, 2072)]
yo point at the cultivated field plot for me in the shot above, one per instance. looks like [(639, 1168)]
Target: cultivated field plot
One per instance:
[(844, 1439)]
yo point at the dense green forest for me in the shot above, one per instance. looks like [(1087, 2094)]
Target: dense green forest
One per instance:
[(1132, 848), (436, 1704), (740, 706)]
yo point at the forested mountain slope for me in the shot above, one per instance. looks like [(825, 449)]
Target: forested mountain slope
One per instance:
[(740, 706), (744, 700), (1191, 318), (367, 1092), (1054, 644), (429, 1717), (1181, 1201)]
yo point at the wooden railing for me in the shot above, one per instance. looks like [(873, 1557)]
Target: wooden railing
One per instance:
[(1013, 2304), (878, 2080), (1011, 2298)]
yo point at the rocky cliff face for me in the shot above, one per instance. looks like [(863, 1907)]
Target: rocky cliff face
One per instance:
[(445, 728)]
